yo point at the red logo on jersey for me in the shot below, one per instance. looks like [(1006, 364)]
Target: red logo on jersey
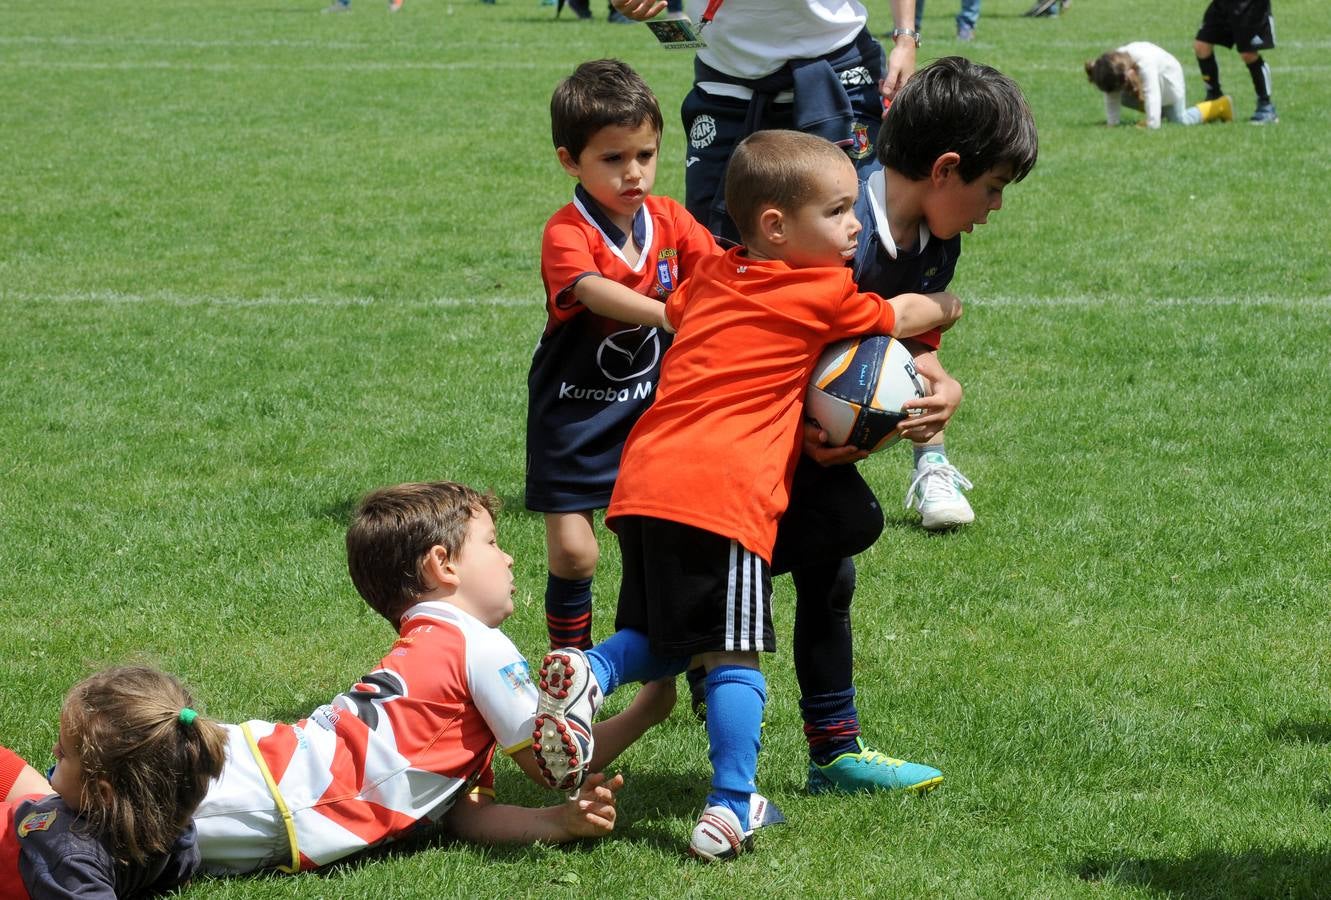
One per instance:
[(859, 141)]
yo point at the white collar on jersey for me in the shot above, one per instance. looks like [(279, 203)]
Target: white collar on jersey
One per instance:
[(610, 233), (438, 609), (877, 187)]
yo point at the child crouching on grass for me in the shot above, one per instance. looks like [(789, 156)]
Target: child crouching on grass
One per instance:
[(706, 471), (1149, 79), (133, 760), (411, 744)]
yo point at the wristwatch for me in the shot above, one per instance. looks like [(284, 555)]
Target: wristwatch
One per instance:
[(906, 32)]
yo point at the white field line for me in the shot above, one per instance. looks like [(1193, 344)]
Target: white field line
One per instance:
[(168, 66), (118, 298), (112, 298), (130, 41)]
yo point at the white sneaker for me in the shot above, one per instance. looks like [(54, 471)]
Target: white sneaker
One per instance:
[(718, 834), (562, 732), (936, 493)]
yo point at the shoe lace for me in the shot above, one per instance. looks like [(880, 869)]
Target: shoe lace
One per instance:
[(868, 757), (935, 481)]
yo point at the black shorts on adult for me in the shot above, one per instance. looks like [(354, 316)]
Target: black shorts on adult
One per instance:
[(692, 591), (1245, 25)]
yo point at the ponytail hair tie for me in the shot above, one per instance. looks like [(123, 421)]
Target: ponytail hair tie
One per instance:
[(187, 716)]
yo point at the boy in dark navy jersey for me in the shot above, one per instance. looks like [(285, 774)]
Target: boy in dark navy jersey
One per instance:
[(956, 136), (609, 259), (965, 134)]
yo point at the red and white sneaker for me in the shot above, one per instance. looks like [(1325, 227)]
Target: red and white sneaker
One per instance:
[(718, 834), (562, 732)]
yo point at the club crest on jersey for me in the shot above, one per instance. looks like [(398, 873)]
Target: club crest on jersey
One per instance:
[(667, 271), (860, 145), (36, 822)]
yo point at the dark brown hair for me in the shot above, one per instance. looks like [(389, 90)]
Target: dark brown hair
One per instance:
[(600, 93), (1109, 71), (394, 527), (145, 768), (955, 105), (775, 168)]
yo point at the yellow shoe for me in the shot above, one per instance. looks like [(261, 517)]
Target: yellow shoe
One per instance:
[(1219, 110)]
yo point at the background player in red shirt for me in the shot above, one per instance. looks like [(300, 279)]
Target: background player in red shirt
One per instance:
[(609, 259)]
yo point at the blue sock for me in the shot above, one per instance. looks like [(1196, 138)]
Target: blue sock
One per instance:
[(625, 656), (568, 611), (736, 696)]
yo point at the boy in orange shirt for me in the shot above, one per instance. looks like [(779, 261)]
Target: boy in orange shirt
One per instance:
[(706, 471)]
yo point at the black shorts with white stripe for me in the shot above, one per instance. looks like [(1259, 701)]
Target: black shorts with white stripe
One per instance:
[(1245, 25), (692, 591)]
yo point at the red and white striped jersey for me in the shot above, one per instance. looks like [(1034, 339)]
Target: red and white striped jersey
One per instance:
[(398, 749)]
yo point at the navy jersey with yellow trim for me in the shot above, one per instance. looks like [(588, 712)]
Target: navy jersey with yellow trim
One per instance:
[(591, 377)]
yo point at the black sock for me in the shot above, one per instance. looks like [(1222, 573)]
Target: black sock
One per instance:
[(1261, 79), (1210, 76)]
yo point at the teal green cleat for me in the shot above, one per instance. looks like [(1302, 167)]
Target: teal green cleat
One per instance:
[(869, 770)]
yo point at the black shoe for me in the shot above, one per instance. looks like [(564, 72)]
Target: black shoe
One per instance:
[(579, 7)]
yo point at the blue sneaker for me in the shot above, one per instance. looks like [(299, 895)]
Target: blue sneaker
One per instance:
[(1265, 114), (562, 732), (869, 770), (718, 834)]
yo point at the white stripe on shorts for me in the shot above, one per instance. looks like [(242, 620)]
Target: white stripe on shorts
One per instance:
[(744, 600)]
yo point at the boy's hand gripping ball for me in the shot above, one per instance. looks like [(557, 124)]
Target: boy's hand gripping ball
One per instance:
[(857, 389)]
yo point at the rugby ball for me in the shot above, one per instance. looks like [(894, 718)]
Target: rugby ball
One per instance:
[(857, 389)]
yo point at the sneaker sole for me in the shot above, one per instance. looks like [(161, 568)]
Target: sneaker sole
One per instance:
[(561, 745), (946, 524), (827, 786)]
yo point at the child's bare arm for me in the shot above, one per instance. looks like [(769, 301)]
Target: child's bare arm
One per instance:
[(29, 781), (589, 814), (917, 313), (938, 407), (615, 301), (652, 704)]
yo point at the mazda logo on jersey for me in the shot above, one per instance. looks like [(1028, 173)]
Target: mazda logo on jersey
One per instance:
[(629, 354)]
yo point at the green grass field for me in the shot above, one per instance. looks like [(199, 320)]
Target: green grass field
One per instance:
[(255, 261)]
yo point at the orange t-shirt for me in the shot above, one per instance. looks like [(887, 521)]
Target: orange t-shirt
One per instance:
[(718, 447)]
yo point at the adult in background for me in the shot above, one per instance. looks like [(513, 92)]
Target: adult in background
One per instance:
[(809, 65), (813, 66), (967, 18)]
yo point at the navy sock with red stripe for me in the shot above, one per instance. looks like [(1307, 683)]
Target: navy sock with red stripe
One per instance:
[(568, 611), (831, 725)]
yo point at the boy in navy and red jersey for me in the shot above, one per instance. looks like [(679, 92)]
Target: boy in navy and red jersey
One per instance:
[(609, 260), (707, 471)]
